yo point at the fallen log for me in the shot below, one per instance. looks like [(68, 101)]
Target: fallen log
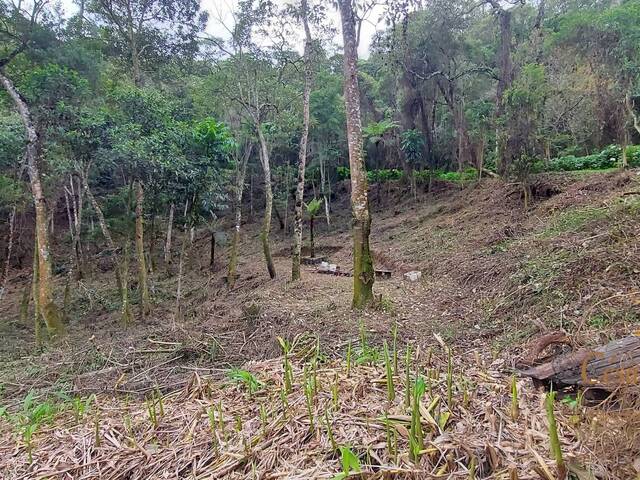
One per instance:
[(608, 367)]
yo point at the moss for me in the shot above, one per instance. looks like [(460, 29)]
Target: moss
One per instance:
[(363, 273)]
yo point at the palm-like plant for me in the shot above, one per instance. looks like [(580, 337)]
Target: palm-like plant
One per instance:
[(375, 131), (313, 207)]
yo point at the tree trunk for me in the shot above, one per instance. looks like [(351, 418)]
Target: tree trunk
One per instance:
[(363, 275), (212, 257), (311, 242), (268, 203), (278, 216), (35, 288), (4, 274), (167, 243), (152, 240), (143, 284), (323, 188), (241, 173), (120, 266), (302, 153), (466, 155), (504, 83), (629, 103), (178, 315), (49, 310)]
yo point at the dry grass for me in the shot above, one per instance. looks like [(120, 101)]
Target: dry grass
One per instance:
[(286, 442)]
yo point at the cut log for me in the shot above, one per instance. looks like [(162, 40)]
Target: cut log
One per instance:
[(611, 366), (383, 273)]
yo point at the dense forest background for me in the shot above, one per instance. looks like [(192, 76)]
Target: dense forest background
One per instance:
[(146, 96)]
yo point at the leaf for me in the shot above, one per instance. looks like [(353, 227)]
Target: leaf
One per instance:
[(350, 461)]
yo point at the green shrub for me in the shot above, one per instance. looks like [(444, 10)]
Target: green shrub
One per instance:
[(373, 176), (608, 158), (466, 176), (633, 155)]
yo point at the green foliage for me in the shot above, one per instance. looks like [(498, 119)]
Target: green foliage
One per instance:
[(30, 418), (313, 207), (412, 144), (247, 378), (214, 137), (375, 131), (373, 176), (12, 192), (461, 178), (350, 463)]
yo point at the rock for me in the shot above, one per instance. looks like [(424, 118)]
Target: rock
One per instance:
[(413, 276)]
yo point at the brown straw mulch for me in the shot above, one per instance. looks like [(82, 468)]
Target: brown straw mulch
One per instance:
[(265, 436)]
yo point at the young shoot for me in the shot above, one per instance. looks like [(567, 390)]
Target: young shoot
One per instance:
[(391, 391), (554, 440)]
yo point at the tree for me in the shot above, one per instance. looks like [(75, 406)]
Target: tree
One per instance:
[(150, 31), (363, 274), (260, 85), (241, 162), (16, 39), (313, 207), (302, 156)]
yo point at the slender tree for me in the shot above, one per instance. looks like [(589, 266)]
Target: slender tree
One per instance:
[(143, 284), (302, 155), (241, 172), (20, 41), (363, 274)]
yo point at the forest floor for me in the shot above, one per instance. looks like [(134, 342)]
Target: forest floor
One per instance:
[(495, 276)]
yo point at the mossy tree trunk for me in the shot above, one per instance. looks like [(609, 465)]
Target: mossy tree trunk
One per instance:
[(48, 309), (363, 274), (302, 154), (35, 286), (268, 202), (143, 283), (311, 239), (241, 173)]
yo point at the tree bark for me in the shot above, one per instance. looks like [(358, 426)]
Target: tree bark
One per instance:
[(629, 103), (324, 182), (311, 239), (363, 274), (241, 173), (49, 310), (143, 284), (212, 256), (302, 154), (167, 243), (268, 203), (35, 288), (504, 83), (4, 275), (120, 266)]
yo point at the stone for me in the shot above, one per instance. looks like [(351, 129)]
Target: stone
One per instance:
[(413, 276)]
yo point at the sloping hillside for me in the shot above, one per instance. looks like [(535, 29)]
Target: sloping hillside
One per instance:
[(494, 275)]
